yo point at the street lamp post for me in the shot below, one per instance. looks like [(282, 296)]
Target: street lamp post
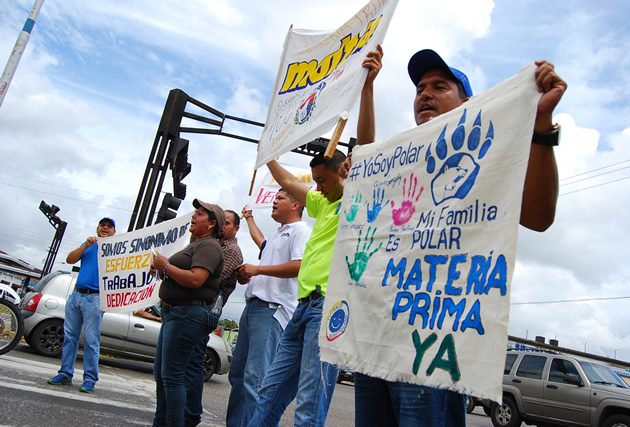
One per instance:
[(18, 50)]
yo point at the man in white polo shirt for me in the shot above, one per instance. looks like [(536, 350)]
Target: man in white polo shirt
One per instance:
[(271, 300)]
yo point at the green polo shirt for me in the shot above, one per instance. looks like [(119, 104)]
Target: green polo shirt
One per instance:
[(315, 266)]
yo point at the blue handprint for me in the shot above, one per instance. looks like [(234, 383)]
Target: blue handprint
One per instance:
[(378, 196)]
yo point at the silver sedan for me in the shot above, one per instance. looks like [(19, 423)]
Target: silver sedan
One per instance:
[(122, 334)]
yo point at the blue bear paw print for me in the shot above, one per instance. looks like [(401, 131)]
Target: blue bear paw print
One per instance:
[(459, 168)]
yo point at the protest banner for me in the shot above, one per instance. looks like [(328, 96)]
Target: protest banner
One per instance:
[(124, 262), (319, 79), (266, 192), (420, 278)]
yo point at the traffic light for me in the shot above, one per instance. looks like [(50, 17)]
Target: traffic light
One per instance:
[(60, 227), (169, 207), (180, 166), (50, 212)]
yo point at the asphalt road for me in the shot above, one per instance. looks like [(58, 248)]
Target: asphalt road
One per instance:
[(124, 396)]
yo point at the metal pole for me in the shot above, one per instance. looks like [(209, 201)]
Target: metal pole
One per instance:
[(54, 248), (18, 50)]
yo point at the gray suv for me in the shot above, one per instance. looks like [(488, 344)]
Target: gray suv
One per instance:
[(554, 389), (122, 334)]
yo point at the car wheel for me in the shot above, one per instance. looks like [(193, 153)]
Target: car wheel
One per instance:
[(11, 325), (470, 404), (505, 415), (618, 420), (47, 338), (209, 365)]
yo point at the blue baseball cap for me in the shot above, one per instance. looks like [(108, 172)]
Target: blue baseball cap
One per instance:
[(427, 59), (108, 219)]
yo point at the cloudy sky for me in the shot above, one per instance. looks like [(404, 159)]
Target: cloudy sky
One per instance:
[(79, 119)]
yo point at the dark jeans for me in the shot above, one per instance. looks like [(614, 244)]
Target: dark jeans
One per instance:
[(381, 403), (178, 367)]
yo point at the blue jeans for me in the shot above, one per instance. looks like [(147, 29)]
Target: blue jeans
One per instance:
[(83, 311), (381, 403), (258, 338), (297, 370), (178, 366)]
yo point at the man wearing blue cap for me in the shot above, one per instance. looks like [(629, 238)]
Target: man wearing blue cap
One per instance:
[(83, 311), (439, 89)]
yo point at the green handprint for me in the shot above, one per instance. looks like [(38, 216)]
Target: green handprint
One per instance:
[(354, 208), (361, 258)]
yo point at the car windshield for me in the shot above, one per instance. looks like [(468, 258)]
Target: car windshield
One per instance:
[(600, 374)]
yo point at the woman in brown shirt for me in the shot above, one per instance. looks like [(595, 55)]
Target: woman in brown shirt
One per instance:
[(190, 281)]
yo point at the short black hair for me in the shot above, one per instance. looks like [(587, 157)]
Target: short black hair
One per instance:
[(237, 218), (332, 164), (460, 89), (293, 199)]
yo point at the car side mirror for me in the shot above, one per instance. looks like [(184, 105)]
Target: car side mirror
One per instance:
[(575, 381)]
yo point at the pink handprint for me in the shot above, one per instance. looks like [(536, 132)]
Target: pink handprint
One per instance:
[(402, 215)]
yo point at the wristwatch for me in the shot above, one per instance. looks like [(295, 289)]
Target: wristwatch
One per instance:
[(550, 138)]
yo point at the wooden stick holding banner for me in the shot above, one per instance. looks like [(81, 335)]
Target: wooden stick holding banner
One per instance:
[(251, 186), (332, 145)]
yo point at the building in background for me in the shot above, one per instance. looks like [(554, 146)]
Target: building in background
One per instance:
[(16, 273)]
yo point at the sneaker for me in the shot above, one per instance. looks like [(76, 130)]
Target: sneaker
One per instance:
[(87, 387), (60, 379)]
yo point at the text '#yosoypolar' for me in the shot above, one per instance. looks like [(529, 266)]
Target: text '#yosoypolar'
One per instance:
[(380, 164)]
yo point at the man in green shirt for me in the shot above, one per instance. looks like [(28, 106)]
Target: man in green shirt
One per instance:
[(296, 370)]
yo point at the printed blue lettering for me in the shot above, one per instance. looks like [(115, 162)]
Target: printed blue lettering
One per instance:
[(434, 261), (477, 275), (452, 309), (453, 274), (395, 270), (473, 319), (414, 277), (498, 276)]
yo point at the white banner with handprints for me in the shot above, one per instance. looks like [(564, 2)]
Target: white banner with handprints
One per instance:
[(266, 191), (124, 263), (319, 79), (419, 286)]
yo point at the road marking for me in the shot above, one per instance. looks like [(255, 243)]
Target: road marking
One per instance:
[(82, 398)]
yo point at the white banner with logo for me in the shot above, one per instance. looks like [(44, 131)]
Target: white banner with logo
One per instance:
[(419, 286), (124, 263), (265, 193), (319, 79)]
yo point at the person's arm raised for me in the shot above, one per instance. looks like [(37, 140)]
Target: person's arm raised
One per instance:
[(75, 256), (366, 124), (289, 182), (257, 236), (540, 194)]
